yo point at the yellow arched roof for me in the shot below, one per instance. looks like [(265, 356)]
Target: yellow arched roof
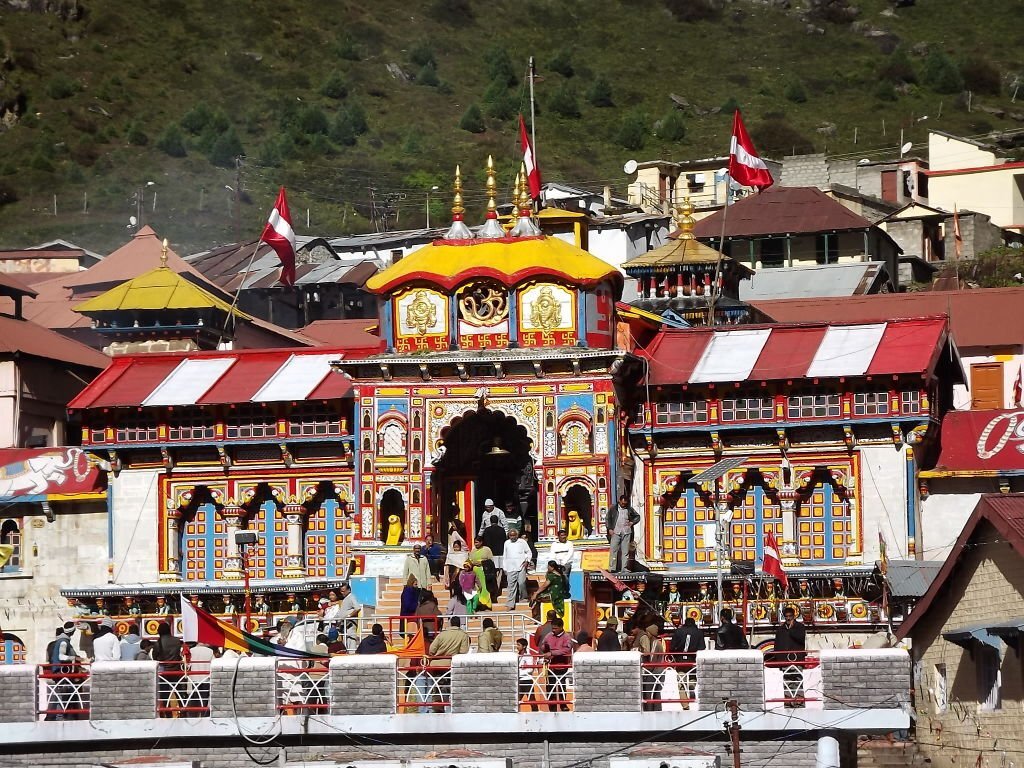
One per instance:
[(510, 260)]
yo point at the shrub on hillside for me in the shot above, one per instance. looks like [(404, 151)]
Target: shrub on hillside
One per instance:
[(694, 10), (8, 194), (61, 87), (136, 136), (454, 13), (600, 93), (996, 268), (499, 66), (472, 120), (729, 106), (428, 76), (347, 48), (941, 74), (563, 102), (172, 141), (197, 118), (312, 121), (898, 68), (562, 63), (422, 54), (632, 131), (981, 75), (504, 107), (357, 118), (775, 136), (794, 91), (335, 86), (225, 149), (671, 127), (885, 91)]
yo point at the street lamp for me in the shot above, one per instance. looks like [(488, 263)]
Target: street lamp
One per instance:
[(723, 520), (432, 189), (244, 540), (140, 199)]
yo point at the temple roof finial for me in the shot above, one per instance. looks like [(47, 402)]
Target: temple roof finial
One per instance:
[(525, 226), (163, 254), (685, 220), (458, 230), (491, 228)]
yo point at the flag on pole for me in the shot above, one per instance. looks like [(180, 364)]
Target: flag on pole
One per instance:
[(745, 165), (198, 626), (280, 236), (771, 562), (1018, 388), (532, 171), (958, 238)]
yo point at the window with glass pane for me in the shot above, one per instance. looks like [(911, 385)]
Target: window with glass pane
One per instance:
[(910, 401), (747, 409), (137, 431), (813, 406), (250, 423), (314, 424), (686, 412), (193, 427), (871, 403)]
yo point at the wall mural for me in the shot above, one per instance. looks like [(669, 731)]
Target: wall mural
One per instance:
[(547, 316), (421, 321)]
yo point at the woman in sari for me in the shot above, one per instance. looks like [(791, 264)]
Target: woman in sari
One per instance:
[(474, 587), (555, 589), (457, 555)]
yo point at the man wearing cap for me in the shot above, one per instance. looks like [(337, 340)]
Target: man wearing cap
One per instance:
[(489, 510), (609, 639), (106, 646)]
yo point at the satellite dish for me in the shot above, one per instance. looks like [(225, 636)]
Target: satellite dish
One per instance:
[(863, 161), (906, 148), (630, 167), (132, 220)]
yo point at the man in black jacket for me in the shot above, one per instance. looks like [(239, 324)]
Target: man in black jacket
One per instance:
[(729, 636), (789, 654), (687, 639)]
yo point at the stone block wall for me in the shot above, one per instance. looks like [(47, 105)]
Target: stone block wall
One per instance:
[(865, 679), (123, 690), (485, 682), (364, 685), (18, 693), (252, 694), (607, 682), (723, 675)]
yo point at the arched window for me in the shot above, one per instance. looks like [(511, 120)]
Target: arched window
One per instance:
[(10, 534), (391, 441), (416, 419), (575, 438)]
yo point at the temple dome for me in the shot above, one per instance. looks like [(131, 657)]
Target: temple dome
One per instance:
[(509, 260)]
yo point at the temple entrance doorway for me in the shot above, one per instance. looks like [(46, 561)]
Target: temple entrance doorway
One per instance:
[(486, 456)]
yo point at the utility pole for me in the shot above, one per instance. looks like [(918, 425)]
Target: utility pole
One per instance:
[(733, 728), (238, 199)]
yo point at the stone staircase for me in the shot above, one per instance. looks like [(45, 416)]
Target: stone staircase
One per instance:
[(881, 753), (513, 624)]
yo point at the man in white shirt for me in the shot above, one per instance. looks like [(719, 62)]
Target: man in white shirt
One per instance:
[(517, 564), (562, 552), (106, 646), (349, 614), (490, 509)]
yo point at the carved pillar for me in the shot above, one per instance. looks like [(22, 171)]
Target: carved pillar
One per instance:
[(855, 552), (172, 546), (295, 561), (232, 515), (787, 503)]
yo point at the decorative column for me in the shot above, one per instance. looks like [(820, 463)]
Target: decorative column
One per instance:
[(295, 561), (787, 503), (855, 552), (172, 545), (232, 515)]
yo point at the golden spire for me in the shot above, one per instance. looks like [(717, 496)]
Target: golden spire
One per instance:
[(516, 191), (685, 220), (457, 209), (163, 255), (525, 225), (492, 188), (491, 228), (524, 194), (458, 230)]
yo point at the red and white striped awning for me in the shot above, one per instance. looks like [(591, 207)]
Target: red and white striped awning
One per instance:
[(770, 353), (211, 378)]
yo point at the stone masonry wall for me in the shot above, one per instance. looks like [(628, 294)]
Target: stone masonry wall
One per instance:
[(854, 679), (252, 694), (18, 693), (364, 685), (122, 691), (725, 675), (607, 682), (485, 682)]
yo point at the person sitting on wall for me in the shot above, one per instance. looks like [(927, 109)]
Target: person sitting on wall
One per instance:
[(373, 642)]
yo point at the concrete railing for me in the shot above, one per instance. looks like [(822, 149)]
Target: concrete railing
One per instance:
[(473, 683)]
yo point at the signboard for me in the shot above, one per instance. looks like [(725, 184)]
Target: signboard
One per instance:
[(979, 441), (51, 474)]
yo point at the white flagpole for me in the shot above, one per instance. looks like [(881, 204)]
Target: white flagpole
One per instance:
[(238, 290), (721, 253), (533, 127)]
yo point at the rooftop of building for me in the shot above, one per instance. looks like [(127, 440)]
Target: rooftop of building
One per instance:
[(817, 281)]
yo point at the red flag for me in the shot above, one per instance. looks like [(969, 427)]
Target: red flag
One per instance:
[(532, 171), (958, 238), (1018, 388), (771, 563), (745, 166), (280, 236)]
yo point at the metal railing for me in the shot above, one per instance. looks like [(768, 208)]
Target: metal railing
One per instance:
[(669, 681), (302, 687), (183, 689), (425, 684), (792, 679), (398, 629), (553, 686), (63, 691)]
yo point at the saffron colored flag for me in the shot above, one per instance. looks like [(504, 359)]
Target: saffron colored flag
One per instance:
[(771, 562), (280, 236), (198, 626), (415, 647), (745, 166), (532, 171)]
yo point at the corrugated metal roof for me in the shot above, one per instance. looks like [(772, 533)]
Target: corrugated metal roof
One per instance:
[(814, 281), (911, 578)]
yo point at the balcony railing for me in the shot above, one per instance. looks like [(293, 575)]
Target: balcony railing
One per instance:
[(302, 687), (63, 691), (183, 689), (424, 684), (669, 681), (792, 679), (552, 686)]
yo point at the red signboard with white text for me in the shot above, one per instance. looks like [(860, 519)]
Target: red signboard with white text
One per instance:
[(975, 441)]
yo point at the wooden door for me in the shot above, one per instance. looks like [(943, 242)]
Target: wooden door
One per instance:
[(986, 386), (889, 186)]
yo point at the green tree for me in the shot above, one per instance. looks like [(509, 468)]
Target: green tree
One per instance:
[(136, 136), (427, 76), (941, 74), (632, 131), (671, 127), (172, 141), (885, 91), (472, 120), (499, 66), (61, 87), (197, 118), (225, 149), (794, 91), (503, 107), (335, 86), (981, 75), (563, 101), (600, 92), (562, 63), (898, 68), (341, 129), (422, 54), (312, 121), (357, 117), (729, 106)]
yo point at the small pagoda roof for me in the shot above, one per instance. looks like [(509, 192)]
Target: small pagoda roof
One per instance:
[(157, 290)]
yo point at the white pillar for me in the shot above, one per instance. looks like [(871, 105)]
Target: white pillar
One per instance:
[(172, 570), (295, 562), (232, 516), (828, 752)]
